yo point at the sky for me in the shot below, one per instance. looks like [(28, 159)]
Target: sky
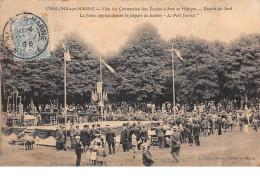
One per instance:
[(109, 34)]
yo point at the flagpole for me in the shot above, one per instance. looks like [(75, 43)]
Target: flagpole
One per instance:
[(65, 95), (101, 94), (173, 87)]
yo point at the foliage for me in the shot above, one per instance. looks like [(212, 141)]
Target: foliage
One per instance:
[(210, 70)]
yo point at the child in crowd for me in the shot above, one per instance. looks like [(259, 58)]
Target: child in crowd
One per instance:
[(134, 145), (101, 155), (147, 156)]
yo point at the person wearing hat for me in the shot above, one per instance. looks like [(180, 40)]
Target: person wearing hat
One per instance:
[(136, 131), (230, 121), (160, 131), (139, 125), (188, 130), (204, 127), (124, 139), (219, 124), (93, 147), (85, 138), (71, 134), (107, 127), (255, 122), (134, 144), (211, 127), (110, 138), (77, 131), (144, 135), (196, 133), (98, 129), (78, 150), (93, 132), (60, 139), (241, 120), (147, 156), (101, 155), (128, 131), (175, 143)]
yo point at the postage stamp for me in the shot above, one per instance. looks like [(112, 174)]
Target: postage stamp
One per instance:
[(26, 37)]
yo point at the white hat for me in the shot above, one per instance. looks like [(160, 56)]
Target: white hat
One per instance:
[(174, 128), (77, 137), (145, 146)]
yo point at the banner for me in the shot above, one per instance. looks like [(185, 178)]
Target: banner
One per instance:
[(9, 131), (99, 87), (44, 134)]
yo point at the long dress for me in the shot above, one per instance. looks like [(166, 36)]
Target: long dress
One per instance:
[(93, 154)]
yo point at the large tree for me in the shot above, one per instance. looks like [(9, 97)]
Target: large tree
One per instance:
[(141, 61), (241, 66)]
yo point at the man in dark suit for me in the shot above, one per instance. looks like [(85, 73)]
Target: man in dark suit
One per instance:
[(65, 134), (124, 139), (93, 131), (161, 135), (85, 138), (106, 130), (196, 133), (136, 131), (128, 131), (110, 138), (60, 139), (139, 125), (98, 129), (175, 143), (210, 125), (241, 121), (188, 131), (78, 150), (219, 123), (144, 135)]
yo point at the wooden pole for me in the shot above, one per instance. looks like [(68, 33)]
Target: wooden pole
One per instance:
[(65, 95), (173, 80), (173, 87), (16, 96), (101, 94), (13, 109)]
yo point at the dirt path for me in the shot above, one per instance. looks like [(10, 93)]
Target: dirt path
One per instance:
[(229, 149)]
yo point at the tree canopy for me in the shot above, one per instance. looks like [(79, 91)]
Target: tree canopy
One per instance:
[(209, 71)]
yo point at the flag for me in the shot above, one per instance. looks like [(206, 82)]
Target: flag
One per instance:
[(66, 53), (178, 53), (112, 70), (67, 56), (109, 67)]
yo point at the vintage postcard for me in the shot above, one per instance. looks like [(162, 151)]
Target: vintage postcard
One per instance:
[(129, 83)]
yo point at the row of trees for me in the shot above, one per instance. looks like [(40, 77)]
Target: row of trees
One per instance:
[(210, 71)]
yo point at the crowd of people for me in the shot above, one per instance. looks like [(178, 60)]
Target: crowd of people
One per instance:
[(186, 128), (122, 111)]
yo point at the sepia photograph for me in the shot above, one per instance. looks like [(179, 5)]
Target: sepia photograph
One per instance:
[(129, 83)]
